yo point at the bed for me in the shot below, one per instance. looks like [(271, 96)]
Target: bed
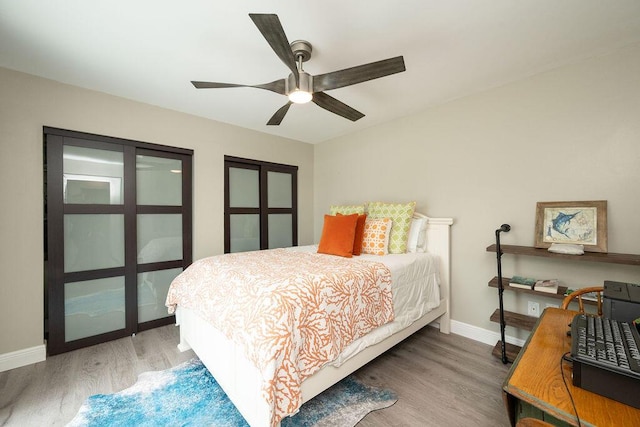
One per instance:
[(235, 369)]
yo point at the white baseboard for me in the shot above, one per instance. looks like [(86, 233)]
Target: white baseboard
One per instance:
[(24, 357), (483, 335)]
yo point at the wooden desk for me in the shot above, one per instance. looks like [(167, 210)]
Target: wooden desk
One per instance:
[(534, 386)]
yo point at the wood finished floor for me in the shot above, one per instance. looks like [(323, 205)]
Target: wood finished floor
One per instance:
[(441, 380)]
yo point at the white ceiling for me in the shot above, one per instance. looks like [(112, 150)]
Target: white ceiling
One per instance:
[(150, 50)]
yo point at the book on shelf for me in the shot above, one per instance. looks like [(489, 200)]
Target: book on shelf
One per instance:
[(549, 286), (522, 282)]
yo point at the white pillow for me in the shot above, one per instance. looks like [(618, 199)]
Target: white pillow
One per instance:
[(417, 241), (414, 234)]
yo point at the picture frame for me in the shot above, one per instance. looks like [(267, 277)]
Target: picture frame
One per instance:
[(578, 223)]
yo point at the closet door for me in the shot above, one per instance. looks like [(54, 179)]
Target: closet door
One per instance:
[(113, 244), (162, 228), (260, 205), (280, 206), (86, 242), (242, 217)]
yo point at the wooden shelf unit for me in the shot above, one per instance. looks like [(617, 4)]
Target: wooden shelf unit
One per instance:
[(525, 322)]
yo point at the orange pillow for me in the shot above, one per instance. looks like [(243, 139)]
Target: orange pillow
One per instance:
[(338, 234), (357, 240), (376, 236)]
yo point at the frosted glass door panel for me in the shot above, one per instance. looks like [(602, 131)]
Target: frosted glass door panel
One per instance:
[(92, 176), (93, 307), (159, 237), (279, 190), (245, 232), (280, 231), (152, 293), (93, 241), (158, 181), (244, 188)]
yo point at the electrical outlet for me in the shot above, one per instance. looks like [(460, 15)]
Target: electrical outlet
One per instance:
[(533, 309)]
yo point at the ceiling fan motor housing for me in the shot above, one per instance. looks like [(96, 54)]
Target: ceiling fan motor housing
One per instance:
[(306, 83)]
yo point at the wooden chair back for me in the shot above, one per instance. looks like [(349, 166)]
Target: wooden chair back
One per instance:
[(578, 294)]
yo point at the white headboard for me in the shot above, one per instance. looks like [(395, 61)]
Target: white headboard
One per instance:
[(439, 243)]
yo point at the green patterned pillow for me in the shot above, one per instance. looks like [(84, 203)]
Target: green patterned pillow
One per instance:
[(400, 214), (347, 209)]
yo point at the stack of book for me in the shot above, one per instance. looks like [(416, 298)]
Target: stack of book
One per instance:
[(549, 286), (522, 282)]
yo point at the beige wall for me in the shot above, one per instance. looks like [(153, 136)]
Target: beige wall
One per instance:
[(569, 134), (28, 103)]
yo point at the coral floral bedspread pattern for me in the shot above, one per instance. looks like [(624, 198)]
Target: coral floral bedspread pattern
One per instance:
[(297, 309)]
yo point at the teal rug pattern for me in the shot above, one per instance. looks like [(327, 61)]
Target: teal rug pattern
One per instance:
[(188, 395)]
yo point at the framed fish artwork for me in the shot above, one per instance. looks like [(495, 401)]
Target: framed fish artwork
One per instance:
[(578, 223)]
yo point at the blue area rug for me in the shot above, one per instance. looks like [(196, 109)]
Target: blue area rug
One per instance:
[(188, 395)]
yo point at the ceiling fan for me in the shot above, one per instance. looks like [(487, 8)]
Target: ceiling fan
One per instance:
[(301, 87)]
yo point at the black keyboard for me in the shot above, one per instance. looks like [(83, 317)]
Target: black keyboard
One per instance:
[(606, 357)]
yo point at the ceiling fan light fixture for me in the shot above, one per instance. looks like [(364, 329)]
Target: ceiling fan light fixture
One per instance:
[(303, 92), (300, 96)]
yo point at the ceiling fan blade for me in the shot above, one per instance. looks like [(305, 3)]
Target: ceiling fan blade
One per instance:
[(271, 29), (329, 103), (276, 119), (277, 86), (213, 85), (359, 74)]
